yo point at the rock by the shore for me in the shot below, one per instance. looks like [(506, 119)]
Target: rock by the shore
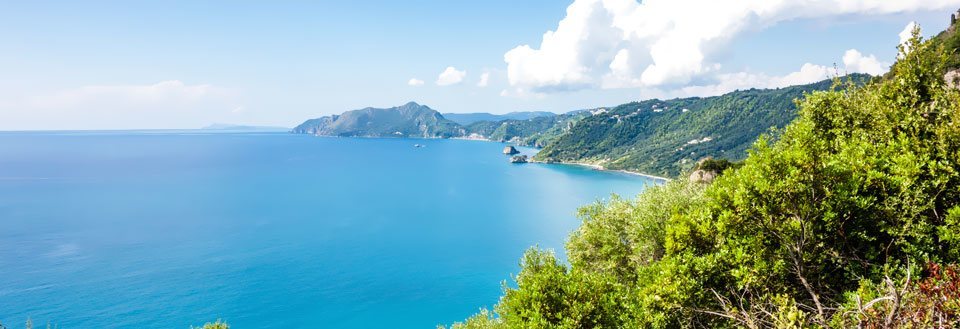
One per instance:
[(510, 150), (518, 159)]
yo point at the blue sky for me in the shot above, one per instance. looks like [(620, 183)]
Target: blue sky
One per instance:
[(185, 64)]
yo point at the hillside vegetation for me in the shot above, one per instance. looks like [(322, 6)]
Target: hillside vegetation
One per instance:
[(468, 118), (535, 132), (669, 137), (950, 39), (850, 218)]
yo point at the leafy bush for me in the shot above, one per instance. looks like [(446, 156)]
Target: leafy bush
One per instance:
[(863, 184)]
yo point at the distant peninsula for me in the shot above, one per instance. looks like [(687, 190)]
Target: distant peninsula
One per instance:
[(408, 120)]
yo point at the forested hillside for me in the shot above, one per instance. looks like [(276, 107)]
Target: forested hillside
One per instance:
[(536, 132), (668, 137), (468, 118), (850, 219)]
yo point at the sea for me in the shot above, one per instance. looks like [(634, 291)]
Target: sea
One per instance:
[(175, 228)]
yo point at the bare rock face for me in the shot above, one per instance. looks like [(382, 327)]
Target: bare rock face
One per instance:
[(510, 150), (953, 79), (703, 176)]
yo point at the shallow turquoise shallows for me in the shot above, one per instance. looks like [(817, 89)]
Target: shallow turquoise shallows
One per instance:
[(172, 229)]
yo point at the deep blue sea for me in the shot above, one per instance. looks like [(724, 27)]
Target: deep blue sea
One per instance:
[(168, 229)]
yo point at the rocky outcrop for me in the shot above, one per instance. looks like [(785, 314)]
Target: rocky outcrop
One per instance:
[(510, 150), (953, 79), (518, 159), (703, 176)]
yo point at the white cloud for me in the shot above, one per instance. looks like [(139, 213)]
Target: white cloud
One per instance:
[(624, 43), (484, 80), (451, 76), (415, 82), (906, 34), (728, 82), (857, 63), (172, 91), (721, 83), (166, 104)]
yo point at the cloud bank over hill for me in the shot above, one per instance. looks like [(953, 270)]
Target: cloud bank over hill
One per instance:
[(668, 44)]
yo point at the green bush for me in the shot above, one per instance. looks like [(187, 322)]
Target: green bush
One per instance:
[(861, 187)]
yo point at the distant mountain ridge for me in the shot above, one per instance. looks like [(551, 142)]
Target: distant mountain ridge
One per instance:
[(536, 132), (408, 120), (469, 118)]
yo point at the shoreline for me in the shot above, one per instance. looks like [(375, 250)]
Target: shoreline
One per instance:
[(483, 139), (601, 168)]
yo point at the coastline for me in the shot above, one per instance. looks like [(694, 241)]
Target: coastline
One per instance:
[(483, 139), (601, 168)]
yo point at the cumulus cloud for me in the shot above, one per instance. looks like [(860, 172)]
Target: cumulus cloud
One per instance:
[(172, 91), (858, 63), (484, 80), (727, 82), (906, 34), (451, 76), (853, 60), (166, 104), (625, 43), (415, 82)]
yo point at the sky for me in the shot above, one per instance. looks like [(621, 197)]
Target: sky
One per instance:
[(72, 65)]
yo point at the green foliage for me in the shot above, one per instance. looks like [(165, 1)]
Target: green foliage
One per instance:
[(214, 325), (621, 235), (950, 40), (805, 234), (933, 302), (483, 320), (552, 296), (716, 165)]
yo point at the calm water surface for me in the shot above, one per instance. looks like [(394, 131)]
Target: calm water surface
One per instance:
[(169, 229)]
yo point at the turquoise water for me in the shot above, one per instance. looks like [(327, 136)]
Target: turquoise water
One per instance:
[(272, 230)]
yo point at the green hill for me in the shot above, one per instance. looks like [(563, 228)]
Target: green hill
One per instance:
[(409, 120), (536, 132), (668, 137), (469, 118)]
